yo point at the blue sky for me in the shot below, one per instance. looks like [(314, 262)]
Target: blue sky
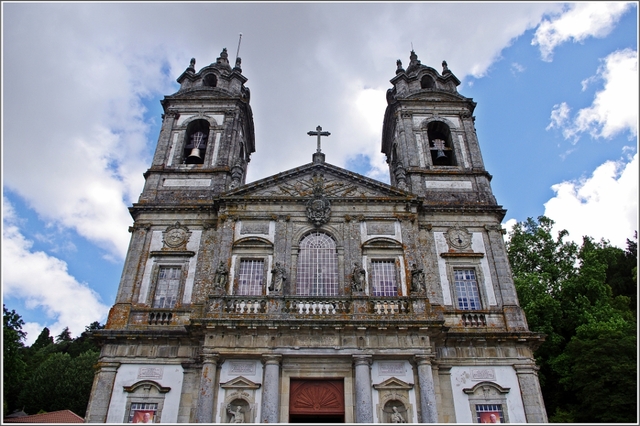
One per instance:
[(556, 86)]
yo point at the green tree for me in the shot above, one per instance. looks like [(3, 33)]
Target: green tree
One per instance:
[(60, 383), (13, 365), (588, 361)]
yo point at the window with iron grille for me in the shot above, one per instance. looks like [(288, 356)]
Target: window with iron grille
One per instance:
[(143, 412), (383, 278), (251, 277), (167, 287), (466, 289), (489, 413), (317, 266)]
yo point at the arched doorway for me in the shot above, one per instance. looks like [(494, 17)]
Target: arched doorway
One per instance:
[(316, 401)]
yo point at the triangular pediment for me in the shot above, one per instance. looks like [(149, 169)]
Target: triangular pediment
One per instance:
[(337, 184), (240, 383), (393, 384)]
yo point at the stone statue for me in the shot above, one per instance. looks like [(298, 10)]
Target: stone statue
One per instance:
[(397, 417), (220, 282), (417, 280), (235, 414), (279, 277), (358, 278)]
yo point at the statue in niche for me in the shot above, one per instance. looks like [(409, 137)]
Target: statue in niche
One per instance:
[(417, 280), (396, 417), (358, 278), (220, 281), (279, 277), (235, 414)]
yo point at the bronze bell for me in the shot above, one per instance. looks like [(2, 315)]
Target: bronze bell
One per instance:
[(441, 154), (194, 157)]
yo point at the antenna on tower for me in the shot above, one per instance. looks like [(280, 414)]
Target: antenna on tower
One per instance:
[(238, 51)]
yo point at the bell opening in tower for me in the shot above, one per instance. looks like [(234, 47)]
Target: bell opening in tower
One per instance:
[(196, 142)]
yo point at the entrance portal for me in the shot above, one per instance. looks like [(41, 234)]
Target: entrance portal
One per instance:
[(316, 401)]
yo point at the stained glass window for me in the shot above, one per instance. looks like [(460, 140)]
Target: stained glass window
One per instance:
[(317, 266), (383, 278), (467, 289), (251, 277), (167, 287)]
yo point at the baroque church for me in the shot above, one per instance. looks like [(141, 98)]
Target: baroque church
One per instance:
[(316, 295)]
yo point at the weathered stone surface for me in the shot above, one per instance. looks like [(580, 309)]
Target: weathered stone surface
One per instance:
[(196, 217)]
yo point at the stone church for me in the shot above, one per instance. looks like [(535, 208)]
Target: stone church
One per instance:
[(316, 295)]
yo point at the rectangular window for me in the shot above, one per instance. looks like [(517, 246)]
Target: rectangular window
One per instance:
[(383, 278), (467, 289), (251, 277), (489, 413), (167, 287), (143, 413)]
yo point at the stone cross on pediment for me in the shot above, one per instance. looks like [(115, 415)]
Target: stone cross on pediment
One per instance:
[(319, 133)]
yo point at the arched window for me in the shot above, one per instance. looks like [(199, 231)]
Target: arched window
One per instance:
[(427, 82), (440, 144), (210, 80), (317, 266), (196, 142)]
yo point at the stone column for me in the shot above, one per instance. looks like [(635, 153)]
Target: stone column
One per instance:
[(364, 400), (205, 408), (101, 392), (531, 393), (270, 411), (428, 405)]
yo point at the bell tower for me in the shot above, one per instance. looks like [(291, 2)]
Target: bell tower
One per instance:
[(429, 137), (207, 135)]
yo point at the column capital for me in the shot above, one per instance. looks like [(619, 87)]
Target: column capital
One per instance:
[(423, 359), (271, 359), (107, 366), (529, 368), (210, 356), (362, 359)]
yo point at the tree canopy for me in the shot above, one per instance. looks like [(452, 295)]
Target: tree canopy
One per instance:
[(47, 376), (584, 299)]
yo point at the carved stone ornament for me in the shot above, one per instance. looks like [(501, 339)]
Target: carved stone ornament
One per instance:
[(318, 207), (458, 238), (176, 236)]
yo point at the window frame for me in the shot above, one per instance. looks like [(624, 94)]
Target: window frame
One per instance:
[(487, 393), (453, 264), (155, 275), (237, 274), (145, 392), (396, 275), (335, 284)]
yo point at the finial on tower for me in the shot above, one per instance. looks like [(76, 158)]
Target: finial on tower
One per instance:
[(445, 68), (192, 65)]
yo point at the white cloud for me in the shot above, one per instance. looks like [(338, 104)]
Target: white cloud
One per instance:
[(605, 205), (44, 283), (614, 108), (578, 22), (559, 116)]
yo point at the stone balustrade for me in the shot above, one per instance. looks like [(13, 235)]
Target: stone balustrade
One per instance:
[(317, 306), (474, 320)]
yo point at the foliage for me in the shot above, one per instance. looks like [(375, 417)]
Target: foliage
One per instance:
[(13, 365), (60, 383), (50, 376), (583, 299)]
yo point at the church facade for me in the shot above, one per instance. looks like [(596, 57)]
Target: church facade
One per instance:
[(317, 294)]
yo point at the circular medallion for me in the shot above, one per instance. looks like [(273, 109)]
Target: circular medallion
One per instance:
[(459, 238), (175, 237)]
